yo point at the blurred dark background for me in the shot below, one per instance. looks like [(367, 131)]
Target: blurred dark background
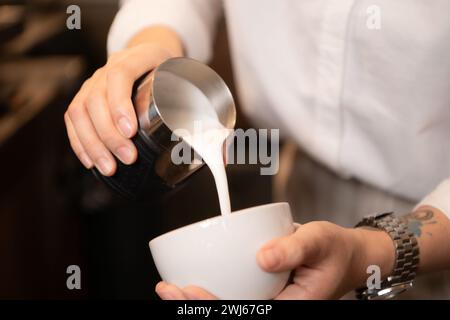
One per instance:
[(53, 213)]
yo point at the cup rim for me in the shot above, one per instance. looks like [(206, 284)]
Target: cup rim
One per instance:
[(232, 215)]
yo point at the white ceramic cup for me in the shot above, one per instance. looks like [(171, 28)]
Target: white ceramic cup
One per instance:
[(219, 254)]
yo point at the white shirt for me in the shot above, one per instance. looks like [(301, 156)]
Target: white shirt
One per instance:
[(368, 97)]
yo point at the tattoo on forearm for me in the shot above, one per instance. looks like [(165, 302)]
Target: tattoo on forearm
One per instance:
[(417, 219)]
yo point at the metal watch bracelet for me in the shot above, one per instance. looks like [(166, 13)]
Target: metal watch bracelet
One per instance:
[(406, 257)]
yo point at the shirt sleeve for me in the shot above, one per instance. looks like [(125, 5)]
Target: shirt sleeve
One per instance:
[(439, 198), (193, 20)]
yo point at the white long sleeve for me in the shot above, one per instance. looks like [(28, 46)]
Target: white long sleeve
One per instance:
[(368, 101), (193, 20), (439, 198)]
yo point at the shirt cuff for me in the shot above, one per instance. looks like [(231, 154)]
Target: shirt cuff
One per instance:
[(439, 198), (193, 24)]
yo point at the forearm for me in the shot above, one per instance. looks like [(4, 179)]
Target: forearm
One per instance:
[(432, 230), (160, 35)]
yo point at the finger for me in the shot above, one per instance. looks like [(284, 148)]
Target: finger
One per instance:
[(196, 293), (98, 111), (292, 292), (76, 145), (286, 253), (169, 292), (310, 283), (297, 292), (120, 80), (90, 141)]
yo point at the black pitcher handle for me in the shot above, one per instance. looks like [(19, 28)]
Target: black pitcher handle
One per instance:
[(135, 180)]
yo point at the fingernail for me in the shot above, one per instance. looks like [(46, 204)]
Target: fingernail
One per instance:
[(125, 127), (85, 160), (105, 166), (125, 154), (165, 296), (271, 258)]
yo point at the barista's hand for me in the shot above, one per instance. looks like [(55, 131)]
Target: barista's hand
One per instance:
[(328, 261), (101, 120)]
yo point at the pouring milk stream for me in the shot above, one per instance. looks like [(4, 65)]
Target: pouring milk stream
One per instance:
[(196, 121)]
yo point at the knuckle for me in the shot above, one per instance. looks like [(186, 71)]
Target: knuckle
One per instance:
[(93, 99), (326, 236), (109, 139), (326, 229), (119, 108), (75, 111), (298, 243), (93, 148)]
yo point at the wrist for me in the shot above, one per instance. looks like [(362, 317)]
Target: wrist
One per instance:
[(160, 36), (372, 247)]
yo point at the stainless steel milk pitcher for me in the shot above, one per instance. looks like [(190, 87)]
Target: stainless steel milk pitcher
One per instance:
[(168, 86)]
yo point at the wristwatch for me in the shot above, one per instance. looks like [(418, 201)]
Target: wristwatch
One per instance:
[(406, 257)]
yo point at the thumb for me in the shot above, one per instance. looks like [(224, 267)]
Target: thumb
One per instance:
[(287, 253)]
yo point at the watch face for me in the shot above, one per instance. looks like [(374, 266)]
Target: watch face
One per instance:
[(390, 292)]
